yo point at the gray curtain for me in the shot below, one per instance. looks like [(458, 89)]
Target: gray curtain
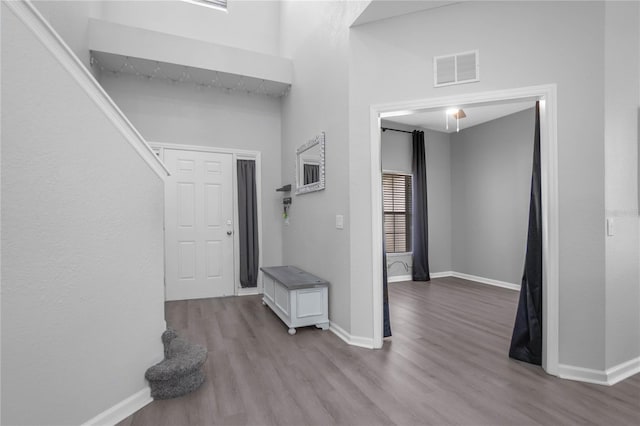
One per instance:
[(526, 340), (248, 223), (311, 173), (420, 222)]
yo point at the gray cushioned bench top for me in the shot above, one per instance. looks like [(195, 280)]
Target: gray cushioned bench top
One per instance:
[(294, 278)]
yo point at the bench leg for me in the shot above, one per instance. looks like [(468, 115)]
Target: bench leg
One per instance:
[(323, 325)]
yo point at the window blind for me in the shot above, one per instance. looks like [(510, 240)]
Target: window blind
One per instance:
[(396, 193)]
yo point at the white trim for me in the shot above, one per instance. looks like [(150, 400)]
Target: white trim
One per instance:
[(376, 225), (441, 274), (252, 291), (237, 154), (122, 409), (550, 230), (608, 377), (488, 281), (580, 374), (547, 94), (396, 172), (30, 16), (363, 342), (201, 148), (340, 332), (623, 371), (399, 278), (0, 210), (475, 278), (210, 5), (400, 254)]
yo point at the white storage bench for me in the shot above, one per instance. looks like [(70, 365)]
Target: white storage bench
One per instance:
[(297, 297)]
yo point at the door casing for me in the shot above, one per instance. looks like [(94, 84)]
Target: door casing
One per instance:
[(237, 154), (547, 95)]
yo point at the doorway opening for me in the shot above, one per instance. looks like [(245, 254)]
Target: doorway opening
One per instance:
[(548, 150)]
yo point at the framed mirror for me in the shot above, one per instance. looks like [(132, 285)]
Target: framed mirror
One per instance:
[(310, 165)]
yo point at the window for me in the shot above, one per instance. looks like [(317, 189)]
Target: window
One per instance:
[(396, 193), (216, 4)]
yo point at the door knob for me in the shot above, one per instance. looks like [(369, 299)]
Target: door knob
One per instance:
[(229, 232)]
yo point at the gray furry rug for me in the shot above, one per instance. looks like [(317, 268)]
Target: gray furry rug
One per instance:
[(181, 370)]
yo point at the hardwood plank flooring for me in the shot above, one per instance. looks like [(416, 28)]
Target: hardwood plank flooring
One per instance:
[(446, 364)]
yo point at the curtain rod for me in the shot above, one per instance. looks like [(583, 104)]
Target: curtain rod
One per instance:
[(395, 130)]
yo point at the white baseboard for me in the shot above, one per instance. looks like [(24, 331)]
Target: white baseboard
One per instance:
[(441, 274), (444, 274), (608, 377), (363, 342), (487, 281), (623, 371), (580, 374), (122, 410), (248, 291), (399, 278), (340, 332)]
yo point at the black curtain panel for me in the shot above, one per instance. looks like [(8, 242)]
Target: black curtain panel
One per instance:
[(420, 222), (385, 291), (311, 173), (526, 341), (248, 223)]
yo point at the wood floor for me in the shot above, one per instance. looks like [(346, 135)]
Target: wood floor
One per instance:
[(445, 364)]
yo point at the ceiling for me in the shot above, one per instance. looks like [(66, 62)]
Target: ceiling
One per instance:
[(384, 9), (204, 78), (435, 119)]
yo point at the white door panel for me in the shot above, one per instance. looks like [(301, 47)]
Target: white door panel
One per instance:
[(198, 225)]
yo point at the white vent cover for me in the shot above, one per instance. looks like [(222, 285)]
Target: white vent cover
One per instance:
[(456, 69)]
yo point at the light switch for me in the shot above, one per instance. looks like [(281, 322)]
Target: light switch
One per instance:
[(610, 227), (339, 221)]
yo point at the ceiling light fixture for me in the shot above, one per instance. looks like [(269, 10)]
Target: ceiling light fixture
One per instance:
[(456, 113)]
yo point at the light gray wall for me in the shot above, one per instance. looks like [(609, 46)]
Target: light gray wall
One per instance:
[(439, 190), (82, 246), (247, 24), (396, 151), (491, 181), (396, 154), (621, 184), (392, 60), (315, 36), (70, 19), (478, 195), (183, 114)]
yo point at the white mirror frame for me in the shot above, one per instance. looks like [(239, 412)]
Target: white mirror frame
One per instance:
[(316, 186)]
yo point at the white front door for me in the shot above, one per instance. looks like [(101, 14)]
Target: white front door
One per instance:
[(198, 225)]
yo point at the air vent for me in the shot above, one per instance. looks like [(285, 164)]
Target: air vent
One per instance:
[(456, 69)]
